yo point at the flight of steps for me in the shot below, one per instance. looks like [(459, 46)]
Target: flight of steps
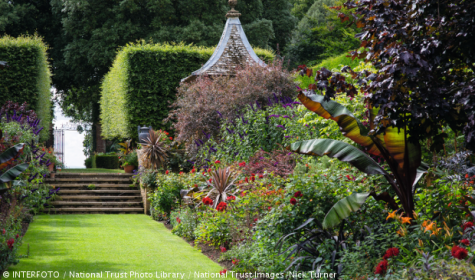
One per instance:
[(112, 194)]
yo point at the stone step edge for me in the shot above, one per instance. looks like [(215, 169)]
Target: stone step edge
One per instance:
[(97, 191), (94, 203), (93, 209)]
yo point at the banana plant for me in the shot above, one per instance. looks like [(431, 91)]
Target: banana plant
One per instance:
[(6, 160), (402, 156)]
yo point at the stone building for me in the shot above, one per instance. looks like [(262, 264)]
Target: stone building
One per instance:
[(232, 51)]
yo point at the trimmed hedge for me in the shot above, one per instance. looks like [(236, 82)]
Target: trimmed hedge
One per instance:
[(142, 84), (107, 161), (28, 77)]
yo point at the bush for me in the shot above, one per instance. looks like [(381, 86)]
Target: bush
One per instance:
[(143, 81), (107, 161), (28, 77), (88, 162), (132, 159), (198, 103)]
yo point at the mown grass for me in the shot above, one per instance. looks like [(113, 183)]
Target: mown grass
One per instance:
[(97, 243)]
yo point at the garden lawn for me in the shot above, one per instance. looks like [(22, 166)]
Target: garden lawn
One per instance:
[(97, 243), (91, 170)]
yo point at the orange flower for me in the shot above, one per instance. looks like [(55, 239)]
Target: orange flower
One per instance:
[(406, 220), (391, 215)]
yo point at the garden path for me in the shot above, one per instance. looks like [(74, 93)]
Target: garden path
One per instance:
[(94, 243)]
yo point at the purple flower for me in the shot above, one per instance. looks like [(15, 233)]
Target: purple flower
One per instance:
[(281, 126), (295, 102), (207, 160), (236, 153), (287, 136), (244, 121), (230, 131), (197, 143), (32, 178), (274, 116), (258, 106), (286, 117), (219, 114)]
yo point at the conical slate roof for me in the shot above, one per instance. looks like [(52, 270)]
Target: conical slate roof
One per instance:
[(233, 50)]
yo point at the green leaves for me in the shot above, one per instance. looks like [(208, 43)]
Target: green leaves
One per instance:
[(11, 174), (343, 208), (339, 150), (350, 127), (9, 155)]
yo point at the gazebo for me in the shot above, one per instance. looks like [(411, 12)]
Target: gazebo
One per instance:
[(232, 51)]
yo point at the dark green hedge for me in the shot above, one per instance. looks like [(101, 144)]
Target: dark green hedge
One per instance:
[(107, 161), (142, 82), (28, 77)]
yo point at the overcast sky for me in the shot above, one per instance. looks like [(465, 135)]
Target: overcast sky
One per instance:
[(73, 154)]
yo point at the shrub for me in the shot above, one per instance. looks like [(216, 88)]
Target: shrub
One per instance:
[(131, 159), (201, 105), (88, 162), (107, 161), (184, 221), (28, 77), (143, 81), (279, 162)]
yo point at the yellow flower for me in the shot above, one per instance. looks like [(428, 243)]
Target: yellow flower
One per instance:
[(406, 220), (392, 215)]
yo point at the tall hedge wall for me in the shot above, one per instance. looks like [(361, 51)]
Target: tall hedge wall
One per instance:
[(142, 82), (28, 77)]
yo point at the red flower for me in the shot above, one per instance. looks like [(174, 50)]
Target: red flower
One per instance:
[(466, 175), (178, 220), (269, 208), (181, 172), (16, 236), (235, 261), (247, 180), (465, 242), (467, 225), (298, 194), (381, 267), (166, 172), (207, 201), (193, 170), (222, 249), (166, 133), (3, 231), (261, 176), (223, 272), (242, 164), (293, 201), (217, 162), (210, 180), (252, 174), (391, 252), (231, 198), (10, 243), (256, 219), (253, 178), (221, 206), (44, 150), (171, 138), (209, 170), (459, 252)]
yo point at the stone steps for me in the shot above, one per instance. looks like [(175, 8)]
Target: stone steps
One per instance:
[(112, 193)]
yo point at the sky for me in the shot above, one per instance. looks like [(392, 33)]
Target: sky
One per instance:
[(73, 154)]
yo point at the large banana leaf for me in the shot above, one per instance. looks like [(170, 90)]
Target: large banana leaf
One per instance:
[(339, 150), (343, 208), (11, 174), (405, 154), (350, 126), (10, 154)]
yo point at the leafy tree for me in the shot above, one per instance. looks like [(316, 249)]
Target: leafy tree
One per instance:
[(84, 35), (320, 35), (300, 7), (423, 51)]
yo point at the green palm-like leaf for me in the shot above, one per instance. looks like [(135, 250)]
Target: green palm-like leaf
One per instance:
[(12, 174), (339, 150), (350, 127), (405, 154), (343, 208), (10, 154)]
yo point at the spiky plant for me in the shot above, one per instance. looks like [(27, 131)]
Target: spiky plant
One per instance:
[(155, 149), (222, 179)]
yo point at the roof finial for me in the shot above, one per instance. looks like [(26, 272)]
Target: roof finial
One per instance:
[(232, 13)]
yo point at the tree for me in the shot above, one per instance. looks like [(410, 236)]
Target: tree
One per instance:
[(424, 54), (320, 35)]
